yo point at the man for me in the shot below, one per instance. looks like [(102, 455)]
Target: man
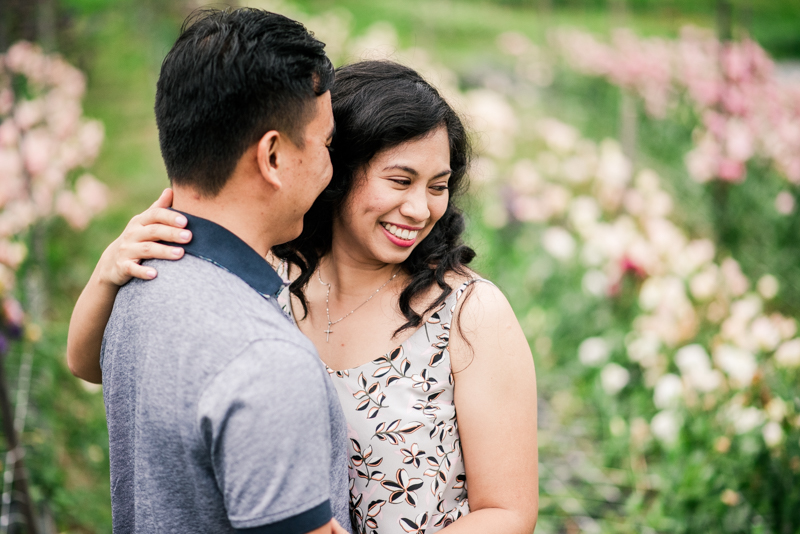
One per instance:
[(221, 416)]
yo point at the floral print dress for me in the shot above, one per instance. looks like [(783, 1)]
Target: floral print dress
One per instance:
[(406, 468)]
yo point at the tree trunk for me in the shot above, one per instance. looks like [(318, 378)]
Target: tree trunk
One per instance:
[(628, 122), (46, 25), (724, 20)]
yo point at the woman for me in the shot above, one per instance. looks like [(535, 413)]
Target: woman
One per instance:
[(380, 269)]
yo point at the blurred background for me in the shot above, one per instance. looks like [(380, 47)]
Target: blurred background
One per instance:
[(634, 194)]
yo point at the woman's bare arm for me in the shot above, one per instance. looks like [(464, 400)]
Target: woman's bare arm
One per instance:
[(118, 264), (495, 397)]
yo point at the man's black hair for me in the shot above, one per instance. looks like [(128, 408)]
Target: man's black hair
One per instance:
[(231, 77)]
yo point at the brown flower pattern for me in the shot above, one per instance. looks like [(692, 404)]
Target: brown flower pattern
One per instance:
[(402, 420), (406, 467)]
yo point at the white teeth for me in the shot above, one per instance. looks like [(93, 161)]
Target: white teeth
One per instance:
[(401, 233)]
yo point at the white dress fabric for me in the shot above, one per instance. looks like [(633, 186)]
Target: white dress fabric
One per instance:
[(406, 468)]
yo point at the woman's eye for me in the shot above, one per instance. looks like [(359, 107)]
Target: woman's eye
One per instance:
[(440, 188), (400, 181)]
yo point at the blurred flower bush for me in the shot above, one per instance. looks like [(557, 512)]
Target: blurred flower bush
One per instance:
[(45, 145), (685, 365), (745, 111)]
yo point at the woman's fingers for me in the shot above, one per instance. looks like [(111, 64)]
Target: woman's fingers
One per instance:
[(134, 270), (165, 200), (155, 215), (159, 232), (147, 250)]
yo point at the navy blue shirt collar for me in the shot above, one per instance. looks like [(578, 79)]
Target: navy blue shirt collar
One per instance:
[(221, 247)]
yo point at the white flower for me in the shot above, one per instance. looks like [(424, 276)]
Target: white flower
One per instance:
[(704, 284), (613, 169), (525, 178), (739, 364), (788, 354), (776, 409), (768, 286), (613, 378), (746, 419), (559, 243), (593, 351), (668, 391), (559, 137), (773, 434), (584, 213), (765, 333), (595, 283), (746, 309), (695, 366), (692, 358), (736, 282), (665, 426), (651, 293), (644, 349), (696, 254)]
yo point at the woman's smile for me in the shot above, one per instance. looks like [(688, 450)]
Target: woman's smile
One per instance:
[(400, 235)]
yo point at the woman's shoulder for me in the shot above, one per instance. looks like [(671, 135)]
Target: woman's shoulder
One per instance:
[(475, 299), (456, 279), (469, 282)]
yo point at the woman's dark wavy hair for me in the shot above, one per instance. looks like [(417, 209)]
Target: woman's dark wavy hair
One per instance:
[(379, 105)]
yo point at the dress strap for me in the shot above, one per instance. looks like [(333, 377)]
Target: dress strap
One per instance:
[(452, 300)]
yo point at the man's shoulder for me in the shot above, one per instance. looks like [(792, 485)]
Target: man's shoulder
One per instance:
[(193, 281), (197, 293)]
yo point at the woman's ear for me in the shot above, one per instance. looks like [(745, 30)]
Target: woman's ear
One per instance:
[(269, 155)]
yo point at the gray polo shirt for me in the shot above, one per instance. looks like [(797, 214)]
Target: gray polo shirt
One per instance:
[(221, 416)]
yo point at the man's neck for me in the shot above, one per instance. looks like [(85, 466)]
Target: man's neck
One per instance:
[(235, 215)]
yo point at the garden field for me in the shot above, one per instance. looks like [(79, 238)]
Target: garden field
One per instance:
[(634, 194)]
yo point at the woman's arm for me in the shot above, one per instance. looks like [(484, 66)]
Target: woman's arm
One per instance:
[(118, 264), (495, 398)]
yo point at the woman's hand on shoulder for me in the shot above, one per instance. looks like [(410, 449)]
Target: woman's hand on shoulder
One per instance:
[(140, 241)]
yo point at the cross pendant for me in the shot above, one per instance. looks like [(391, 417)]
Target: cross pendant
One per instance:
[(328, 333)]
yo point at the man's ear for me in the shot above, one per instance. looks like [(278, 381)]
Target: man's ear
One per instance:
[(269, 154)]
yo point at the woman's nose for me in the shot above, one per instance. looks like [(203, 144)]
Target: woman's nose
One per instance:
[(415, 206)]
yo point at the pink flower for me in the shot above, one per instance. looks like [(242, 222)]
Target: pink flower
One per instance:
[(91, 138), (731, 170), (9, 134), (37, 149), (28, 113), (6, 101), (92, 194), (69, 207)]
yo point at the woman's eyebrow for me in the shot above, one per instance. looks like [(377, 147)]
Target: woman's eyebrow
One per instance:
[(413, 172)]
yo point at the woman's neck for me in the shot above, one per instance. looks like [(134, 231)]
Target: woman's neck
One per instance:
[(351, 277)]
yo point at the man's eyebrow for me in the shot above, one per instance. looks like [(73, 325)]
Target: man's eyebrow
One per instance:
[(413, 172)]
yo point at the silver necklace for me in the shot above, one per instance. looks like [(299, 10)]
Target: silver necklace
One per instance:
[(328, 331)]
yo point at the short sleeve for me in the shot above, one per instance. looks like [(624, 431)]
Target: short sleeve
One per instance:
[(265, 423)]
